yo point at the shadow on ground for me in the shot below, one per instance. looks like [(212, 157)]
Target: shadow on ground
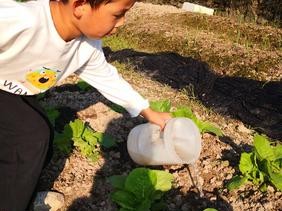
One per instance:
[(256, 103)]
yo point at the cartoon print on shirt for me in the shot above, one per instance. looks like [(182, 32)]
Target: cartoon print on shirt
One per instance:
[(43, 78)]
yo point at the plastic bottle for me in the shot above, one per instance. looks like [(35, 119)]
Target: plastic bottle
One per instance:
[(179, 143)]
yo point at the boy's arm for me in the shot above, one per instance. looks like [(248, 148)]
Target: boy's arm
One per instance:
[(105, 78)]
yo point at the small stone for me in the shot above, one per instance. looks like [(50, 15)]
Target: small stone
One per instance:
[(225, 163), (270, 189), (229, 176), (213, 198), (243, 129), (213, 180), (48, 200)]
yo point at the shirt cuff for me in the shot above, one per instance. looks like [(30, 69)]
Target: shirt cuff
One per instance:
[(135, 109)]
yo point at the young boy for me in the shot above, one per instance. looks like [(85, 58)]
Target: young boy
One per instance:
[(41, 43)]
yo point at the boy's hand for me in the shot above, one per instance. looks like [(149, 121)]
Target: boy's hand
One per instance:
[(158, 118)]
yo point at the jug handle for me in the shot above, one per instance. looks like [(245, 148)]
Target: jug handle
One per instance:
[(158, 133)]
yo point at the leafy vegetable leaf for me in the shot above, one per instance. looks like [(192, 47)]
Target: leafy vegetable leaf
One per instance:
[(89, 136), (263, 148), (141, 183), (236, 182), (161, 106), (117, 181), (184, 112), (210, 128), (124, 199), (164, 180), (117, 108), (246, 163), (105, 140), (83, 86), (77, 127), (145, 205), (210, 209), (52, 114), (63, 143), (276, 180), (278, 152)]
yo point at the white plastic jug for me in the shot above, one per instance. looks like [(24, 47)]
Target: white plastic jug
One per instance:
[(179, 143)]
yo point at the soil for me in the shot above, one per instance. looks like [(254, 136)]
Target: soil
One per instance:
[(239, 106)]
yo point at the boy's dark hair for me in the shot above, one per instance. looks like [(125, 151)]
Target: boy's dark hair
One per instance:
[(93, 3)]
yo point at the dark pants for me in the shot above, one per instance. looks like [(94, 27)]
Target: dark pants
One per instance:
[(24, 144)]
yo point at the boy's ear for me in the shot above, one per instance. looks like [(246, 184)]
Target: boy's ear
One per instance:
[(78, 7)]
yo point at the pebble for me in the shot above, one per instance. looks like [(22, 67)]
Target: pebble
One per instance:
[(243, 129)]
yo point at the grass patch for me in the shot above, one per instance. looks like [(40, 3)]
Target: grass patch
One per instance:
[(116, 43)]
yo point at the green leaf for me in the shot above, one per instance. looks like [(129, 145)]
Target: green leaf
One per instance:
[(207, 127), (63, 143), (141, 183), (117, 181), (258, 177), (277, 166), (124, 209), (246, 164), (117, 108), (164, 180), (145, 205), (159, 206), (89, 136), (161, 106), (236, 182), (263, 187), (184, 112), (83, 146), (276, 180), (105, 140), (40, 96), (263, 148), (83, 86), (68, 131), (278, 152), (124, 199), (94, 156), (52, 114), (77, 127), (210, 209)]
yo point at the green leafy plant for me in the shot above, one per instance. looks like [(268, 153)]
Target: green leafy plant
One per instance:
[(141, 190), (83, 86), (182, 111), (82, 136), (261, 166), (161, 106), (117, 108), (40, 96), (52, 114)]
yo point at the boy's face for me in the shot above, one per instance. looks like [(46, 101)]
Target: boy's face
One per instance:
[(103, 20)]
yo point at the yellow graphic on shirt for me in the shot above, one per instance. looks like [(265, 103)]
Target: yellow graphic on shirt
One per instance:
[(42, 79)]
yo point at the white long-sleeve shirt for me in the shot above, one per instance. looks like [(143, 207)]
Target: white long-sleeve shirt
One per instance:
[(33, 57)]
